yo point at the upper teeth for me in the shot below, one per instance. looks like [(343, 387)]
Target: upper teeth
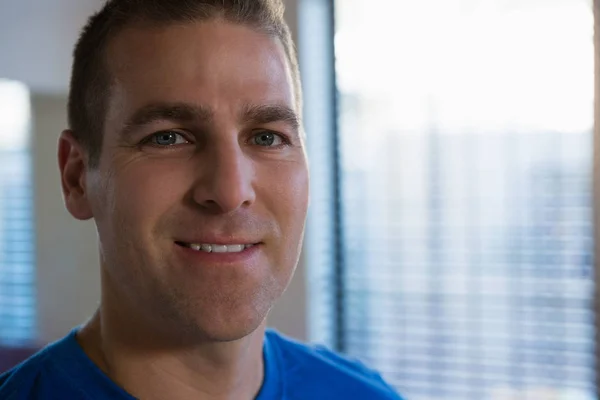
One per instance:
[(218, 248)]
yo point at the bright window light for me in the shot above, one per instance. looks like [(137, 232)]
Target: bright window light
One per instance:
[(14, 115)]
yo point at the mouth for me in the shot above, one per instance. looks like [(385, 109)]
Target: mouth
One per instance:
[(216, 248)]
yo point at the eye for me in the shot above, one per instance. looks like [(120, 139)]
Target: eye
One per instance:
[(267, 139), (167, 138)]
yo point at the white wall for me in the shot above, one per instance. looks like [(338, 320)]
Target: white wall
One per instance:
[(68, 277), (37, 37)]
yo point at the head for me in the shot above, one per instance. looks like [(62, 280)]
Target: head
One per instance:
[(185, 130)]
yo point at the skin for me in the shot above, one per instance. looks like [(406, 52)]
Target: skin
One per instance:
[(228, 166)]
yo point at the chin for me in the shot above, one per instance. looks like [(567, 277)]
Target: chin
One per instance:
[(234, 328), (220, 323), (230, 308), (231, 332)]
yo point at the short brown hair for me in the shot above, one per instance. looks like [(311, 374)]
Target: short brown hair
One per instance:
[(90, 80)]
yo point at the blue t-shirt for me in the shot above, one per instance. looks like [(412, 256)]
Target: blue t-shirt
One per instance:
[(293, 371)]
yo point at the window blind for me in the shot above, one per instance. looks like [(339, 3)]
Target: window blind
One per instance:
[(17, 291), (465, 238)]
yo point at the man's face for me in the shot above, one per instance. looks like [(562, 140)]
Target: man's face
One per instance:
[(201, 148)]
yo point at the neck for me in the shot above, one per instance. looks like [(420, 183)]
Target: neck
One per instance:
[(154, 368)]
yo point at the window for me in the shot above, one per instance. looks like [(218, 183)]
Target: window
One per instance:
[(17, 298), (462, 258)]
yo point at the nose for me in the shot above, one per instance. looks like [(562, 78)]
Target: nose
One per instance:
[(226, 179)]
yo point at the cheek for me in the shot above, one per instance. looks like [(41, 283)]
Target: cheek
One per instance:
[(287, 199), (140, 194)]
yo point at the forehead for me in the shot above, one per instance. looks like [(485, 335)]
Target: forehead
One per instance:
[(215, 64)]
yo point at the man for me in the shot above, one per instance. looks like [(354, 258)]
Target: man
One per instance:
[(186, 148)]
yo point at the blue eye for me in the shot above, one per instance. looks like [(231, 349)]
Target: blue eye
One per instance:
[(267, 139), (168, 138)]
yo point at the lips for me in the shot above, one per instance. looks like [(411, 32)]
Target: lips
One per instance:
[(216, 248), (208, 255)]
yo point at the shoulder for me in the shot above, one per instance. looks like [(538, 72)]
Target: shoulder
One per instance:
[(18, 383), (319, 370), (39, 377)]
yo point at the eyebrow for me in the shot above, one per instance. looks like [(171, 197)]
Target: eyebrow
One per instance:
[(264, 114), (177, 112), (193, 114)]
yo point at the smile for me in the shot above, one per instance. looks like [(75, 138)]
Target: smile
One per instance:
[(216, 248)]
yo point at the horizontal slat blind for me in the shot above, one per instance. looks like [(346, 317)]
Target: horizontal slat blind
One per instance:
[(17, 290), (466, 147)]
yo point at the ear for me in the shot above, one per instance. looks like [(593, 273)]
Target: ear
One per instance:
[(72, 162)]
